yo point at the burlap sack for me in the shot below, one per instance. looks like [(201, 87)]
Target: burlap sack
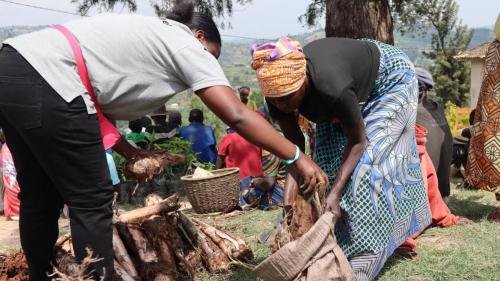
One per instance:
[(313, 257)]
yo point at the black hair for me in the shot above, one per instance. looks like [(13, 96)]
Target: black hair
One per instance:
[(174, 118), (196, 115), (183, 12), (146, 121), (243, 87), (471, 117), (135, 125)]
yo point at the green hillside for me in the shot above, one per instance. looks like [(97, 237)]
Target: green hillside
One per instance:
[(235, 57), (235, 60)]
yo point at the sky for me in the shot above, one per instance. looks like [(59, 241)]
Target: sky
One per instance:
[(261, 19)]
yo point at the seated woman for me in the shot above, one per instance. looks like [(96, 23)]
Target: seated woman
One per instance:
[(266, 192), (362, 95), (236, 151)]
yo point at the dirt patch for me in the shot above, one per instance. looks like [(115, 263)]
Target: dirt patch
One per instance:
[(9, 234), (439, 242), (13, 267)]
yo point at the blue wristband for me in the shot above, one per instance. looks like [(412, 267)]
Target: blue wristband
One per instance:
[(295, 158)]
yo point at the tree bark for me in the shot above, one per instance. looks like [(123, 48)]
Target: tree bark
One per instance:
[(122, 257), (359, 19), (169, 204)]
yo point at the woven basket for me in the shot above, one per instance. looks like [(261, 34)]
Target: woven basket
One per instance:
[(219, 193)]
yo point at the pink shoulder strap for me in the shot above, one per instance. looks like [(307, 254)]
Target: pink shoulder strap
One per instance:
[(110, 135)]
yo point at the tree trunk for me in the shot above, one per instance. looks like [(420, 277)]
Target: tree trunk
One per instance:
[(359, 19)]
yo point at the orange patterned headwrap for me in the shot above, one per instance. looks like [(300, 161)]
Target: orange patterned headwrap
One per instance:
[(280, 67)]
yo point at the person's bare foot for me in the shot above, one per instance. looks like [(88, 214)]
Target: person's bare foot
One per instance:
[(406, 252), (464, 221)]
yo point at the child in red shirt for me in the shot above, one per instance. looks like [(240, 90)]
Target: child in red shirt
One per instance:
[(235, 151)]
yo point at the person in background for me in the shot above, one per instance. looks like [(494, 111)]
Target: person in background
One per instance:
[(158, 131), (236, 152), (244, 92), (113, 172), (174, 122), (441, 214), (2, 187), (483, 167), (461, 150), (266, 191), (439, 144), (137, 137), (202, 137), (134, 64), (363, 96), (10, 198)]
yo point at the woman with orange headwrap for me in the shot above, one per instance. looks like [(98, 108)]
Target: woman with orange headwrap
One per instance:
[(362, 95)]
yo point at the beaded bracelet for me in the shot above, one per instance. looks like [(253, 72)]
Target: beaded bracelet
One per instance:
[(295, 158)]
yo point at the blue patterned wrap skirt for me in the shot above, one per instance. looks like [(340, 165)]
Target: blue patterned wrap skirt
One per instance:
[(384, 202)]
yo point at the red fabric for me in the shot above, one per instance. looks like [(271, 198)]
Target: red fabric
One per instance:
[(441, 214), (110, 135), (238, 152), (10, 200)]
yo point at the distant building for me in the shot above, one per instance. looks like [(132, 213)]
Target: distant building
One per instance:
[(476, 57)]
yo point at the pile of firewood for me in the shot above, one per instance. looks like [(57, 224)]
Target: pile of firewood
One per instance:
[(158, 242)]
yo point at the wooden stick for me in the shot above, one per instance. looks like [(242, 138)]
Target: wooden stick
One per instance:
[(145, 251), (156, 232), (227, 247), (193, 258), (62, 239), (122, 273), (138, 215), (189, 227), (232, 247), (213, 257), (161, 228), (122, 257)]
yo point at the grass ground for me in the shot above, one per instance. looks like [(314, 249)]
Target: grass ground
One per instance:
[(466, 252)]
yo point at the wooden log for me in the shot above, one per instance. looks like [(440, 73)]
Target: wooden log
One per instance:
[(145, 251), (66, 264), (122, 256), (179, 246), (138, 215), (189, 227), (190, 233), (157, 272), (166, 254), (62, 239), (157, 234), (231, 246), (68, 246), (165, 231), (164, 277), (121, 273), (213, 257), (193, 258)]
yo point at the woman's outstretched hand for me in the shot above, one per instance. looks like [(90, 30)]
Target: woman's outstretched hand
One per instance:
[(311, 173)]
